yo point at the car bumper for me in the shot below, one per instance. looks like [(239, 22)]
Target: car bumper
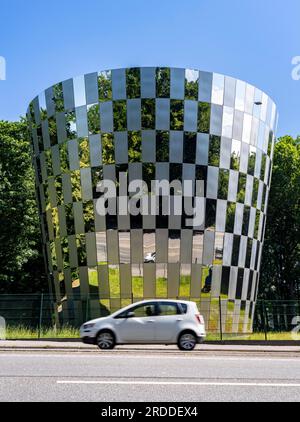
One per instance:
[(200, 339), (88, 340)]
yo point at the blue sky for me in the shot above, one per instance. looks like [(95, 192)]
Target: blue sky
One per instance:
[(45, 42)]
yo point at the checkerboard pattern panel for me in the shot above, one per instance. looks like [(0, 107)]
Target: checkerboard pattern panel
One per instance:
[(154, 123)]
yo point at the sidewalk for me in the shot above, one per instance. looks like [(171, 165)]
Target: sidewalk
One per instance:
[(77, 346)]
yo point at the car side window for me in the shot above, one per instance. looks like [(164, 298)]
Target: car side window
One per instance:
[(168, 308), (143, 311), (146, 310)]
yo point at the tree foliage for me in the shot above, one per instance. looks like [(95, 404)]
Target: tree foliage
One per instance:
[(280, 271), (21, 261)]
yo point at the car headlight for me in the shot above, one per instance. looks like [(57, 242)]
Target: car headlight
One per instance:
[(87, 326)]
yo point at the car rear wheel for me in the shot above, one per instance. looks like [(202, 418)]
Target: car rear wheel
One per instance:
[(187, 341), (105, 340)]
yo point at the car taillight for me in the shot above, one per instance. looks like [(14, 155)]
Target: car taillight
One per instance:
[(199, 318)]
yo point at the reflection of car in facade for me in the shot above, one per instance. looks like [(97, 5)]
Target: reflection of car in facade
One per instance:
[(150, 257), (153, 124), (219, 253), (148, 322)]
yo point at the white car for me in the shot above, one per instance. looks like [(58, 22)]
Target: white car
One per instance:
[(148, 322)]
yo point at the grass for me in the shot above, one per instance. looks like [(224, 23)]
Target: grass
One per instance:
[(137, 284), (272, 336), (22, 332)]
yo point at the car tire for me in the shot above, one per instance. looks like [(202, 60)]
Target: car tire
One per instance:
[(187, 341), (105, 340)]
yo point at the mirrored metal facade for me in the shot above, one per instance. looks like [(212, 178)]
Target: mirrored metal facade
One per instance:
[(154, 123)]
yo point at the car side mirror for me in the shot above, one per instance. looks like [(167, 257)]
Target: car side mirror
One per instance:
[(130, 315)]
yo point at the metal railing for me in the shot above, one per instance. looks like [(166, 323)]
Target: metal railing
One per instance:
[(224, 318)]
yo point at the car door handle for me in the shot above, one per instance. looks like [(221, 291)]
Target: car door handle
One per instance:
[(179, 319), (150, 320)]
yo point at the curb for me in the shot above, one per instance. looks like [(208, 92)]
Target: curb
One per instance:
[(294, 343), (156, 353), (225, 347)]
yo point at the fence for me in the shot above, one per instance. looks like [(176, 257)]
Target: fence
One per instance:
[(224, 318)]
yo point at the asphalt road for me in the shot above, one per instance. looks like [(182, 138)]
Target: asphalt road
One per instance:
[(146, 376)]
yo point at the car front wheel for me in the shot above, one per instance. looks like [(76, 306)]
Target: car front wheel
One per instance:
[(105, 340), (187, 341)]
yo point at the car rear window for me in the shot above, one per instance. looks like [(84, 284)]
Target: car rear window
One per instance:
[(168, 309)]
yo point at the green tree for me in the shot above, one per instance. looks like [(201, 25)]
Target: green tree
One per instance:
[(280, 274), (21, 261)]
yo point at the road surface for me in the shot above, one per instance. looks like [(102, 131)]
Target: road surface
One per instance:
[(146, 375)]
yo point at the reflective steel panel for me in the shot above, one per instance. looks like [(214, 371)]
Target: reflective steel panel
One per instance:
[(152, 123)]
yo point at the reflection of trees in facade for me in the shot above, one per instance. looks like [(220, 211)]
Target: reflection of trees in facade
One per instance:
[(148, 174), (162, 146), (83, 152), (230, 215), (235, 161), (52, 130), (58, 97), (203, 117), (120, 115), (189, 147), (93, 116), (76, 185), (241, 188), (214, 151), (177, 114), (251, 161), (64, 158), (191, 89), (133, 83), (223, 184), (134, 146), (88, 216), (162, 82), (148, 113), (108, 149), (71, 125), (104, 86)]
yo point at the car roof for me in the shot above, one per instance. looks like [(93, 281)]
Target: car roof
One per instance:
[(161, 300), (145, 301)]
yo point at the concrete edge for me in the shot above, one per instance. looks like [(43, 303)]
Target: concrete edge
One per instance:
[(225, 347), (295, 343)]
